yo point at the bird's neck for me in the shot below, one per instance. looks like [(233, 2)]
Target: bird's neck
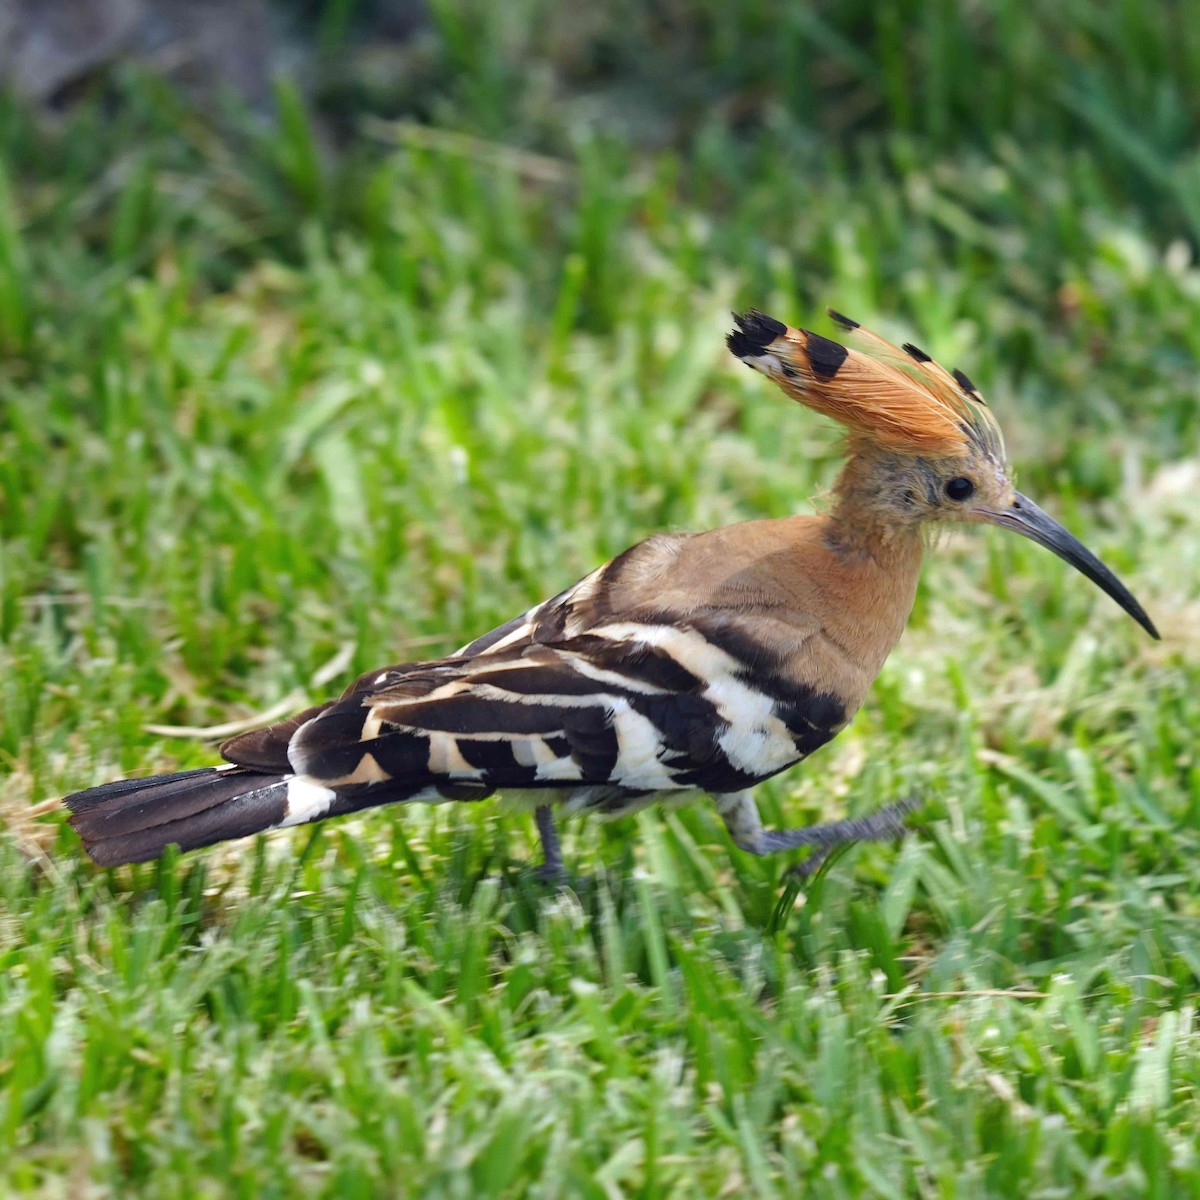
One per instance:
[(872, 562), (868, 514)]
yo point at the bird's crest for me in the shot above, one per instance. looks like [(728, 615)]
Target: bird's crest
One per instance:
[(896, 397)]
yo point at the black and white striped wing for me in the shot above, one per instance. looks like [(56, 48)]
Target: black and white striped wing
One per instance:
[(625, 710), (600, 714)]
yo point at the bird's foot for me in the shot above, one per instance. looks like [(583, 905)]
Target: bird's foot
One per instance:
[(885, 825)]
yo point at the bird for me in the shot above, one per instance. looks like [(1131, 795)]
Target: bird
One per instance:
[(689, 664)]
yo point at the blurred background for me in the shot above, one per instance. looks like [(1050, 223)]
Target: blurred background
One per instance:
[(234, 226), (335, 333)]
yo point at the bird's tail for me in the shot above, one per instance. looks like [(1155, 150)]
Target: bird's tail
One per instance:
[(137, 819)]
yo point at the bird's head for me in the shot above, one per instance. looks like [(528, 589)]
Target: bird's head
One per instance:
[(926, 444)]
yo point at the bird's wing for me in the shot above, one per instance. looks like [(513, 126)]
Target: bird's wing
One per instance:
[(631, 706), (633, 680)]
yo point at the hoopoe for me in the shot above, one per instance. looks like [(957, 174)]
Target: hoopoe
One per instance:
[(702, 662)]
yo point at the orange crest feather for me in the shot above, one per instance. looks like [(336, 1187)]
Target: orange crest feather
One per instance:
[(898, 398)]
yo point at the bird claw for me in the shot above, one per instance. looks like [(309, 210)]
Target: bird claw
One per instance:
[(808, 868), (886, 824)]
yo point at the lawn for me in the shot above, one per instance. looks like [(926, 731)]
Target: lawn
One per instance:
[(281, 402)]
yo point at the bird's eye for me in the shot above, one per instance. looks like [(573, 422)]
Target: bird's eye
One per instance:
[(959, 488)]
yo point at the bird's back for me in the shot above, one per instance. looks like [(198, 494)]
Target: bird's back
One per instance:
[(707, 661)]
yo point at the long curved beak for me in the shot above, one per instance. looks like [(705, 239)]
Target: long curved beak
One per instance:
[(1030, 521)]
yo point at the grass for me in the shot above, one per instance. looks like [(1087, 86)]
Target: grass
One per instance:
[(267, 409)]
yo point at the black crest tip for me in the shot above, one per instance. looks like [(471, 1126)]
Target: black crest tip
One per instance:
[(740, 346), (755, 332), (844, 321), (825, 357), (963, 382), (916, 353)]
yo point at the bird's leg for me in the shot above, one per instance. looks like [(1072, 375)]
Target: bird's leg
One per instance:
[(553, 869), (740, 814)]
